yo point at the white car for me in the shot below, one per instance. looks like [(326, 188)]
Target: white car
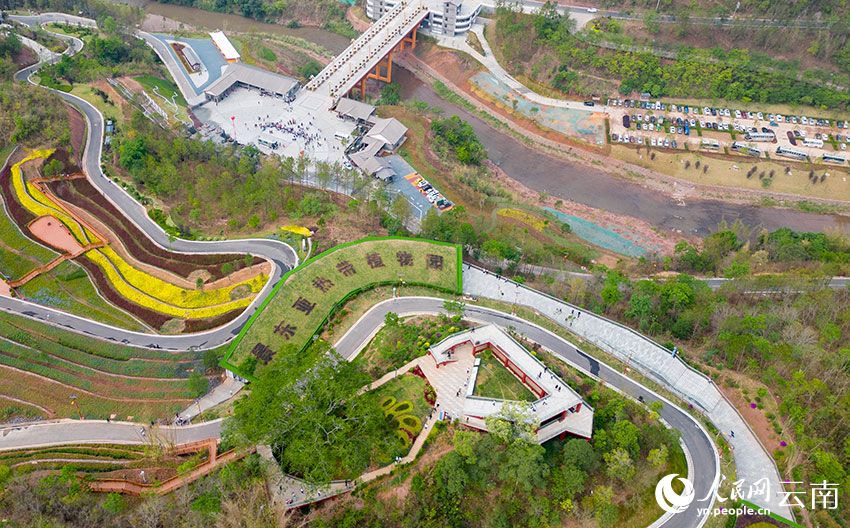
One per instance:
[(844, 146), (592, 10), (760, 116), (652, 142), (737, 114), (804, 120)]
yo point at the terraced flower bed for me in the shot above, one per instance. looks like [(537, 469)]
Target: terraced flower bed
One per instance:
[(18, 254), (152, 299), (81, 193), (56, 398), (301, 302), (127, 366), (107, 378)]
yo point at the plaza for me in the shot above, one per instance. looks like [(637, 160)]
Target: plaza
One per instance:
[(247, 115)]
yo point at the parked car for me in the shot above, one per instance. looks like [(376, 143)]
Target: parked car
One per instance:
[(626, 121), (791, 138)]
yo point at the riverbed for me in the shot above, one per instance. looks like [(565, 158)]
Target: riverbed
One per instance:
[(597, 188)]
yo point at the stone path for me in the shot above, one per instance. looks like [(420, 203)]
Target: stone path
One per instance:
[(751, 458)]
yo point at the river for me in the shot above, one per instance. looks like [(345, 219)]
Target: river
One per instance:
[(541, 172), (597, 188), (211, 20)]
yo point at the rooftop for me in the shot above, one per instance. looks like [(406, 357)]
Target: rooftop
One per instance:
[(224, 45), (389, 131), (558, 409), (354, 109), (256, 77)]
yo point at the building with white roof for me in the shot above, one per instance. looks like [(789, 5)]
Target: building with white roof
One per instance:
[(224, 46), (445, 17), (558, 409)]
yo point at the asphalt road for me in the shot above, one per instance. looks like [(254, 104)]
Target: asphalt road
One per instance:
[(281, 255), (699, 446), (695, 438), (64, 432)]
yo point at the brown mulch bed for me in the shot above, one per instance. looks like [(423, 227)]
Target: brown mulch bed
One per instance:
[(150, 317), (81, 193), (17, 212), (77, 125)]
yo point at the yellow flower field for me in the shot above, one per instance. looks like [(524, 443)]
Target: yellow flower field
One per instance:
[(40, 205), (526, 218), (153, 302), (172, 294)]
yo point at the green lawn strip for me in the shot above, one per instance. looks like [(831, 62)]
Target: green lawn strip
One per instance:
[(279, 311), (97, 450), (77, 296), (18, 254), (37, 362), (166, 88), (90, 345), (127, 367), (496, 381), (406, 388)]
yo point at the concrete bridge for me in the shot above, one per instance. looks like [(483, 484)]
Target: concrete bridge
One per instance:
[(370, 55)]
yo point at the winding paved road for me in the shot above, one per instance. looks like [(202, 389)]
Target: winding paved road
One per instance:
[(282, 256), (702, 455)]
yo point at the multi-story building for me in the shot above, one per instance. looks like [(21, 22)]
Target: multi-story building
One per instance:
[(445, 17)]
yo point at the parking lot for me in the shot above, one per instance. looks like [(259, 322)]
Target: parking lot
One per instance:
[(758, 134)]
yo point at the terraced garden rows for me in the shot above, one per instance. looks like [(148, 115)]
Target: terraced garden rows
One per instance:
[(56, 397), (152, 300), (82, 193), (84, 300), (107, 378)]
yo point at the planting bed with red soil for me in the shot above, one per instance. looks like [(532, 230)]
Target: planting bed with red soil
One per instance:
[(17, 212), (69, 163), (51, 231), (81, 193), (151, 318)]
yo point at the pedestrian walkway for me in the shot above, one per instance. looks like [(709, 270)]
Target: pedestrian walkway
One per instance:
[(227, 389), (488, 60), (752, 460)]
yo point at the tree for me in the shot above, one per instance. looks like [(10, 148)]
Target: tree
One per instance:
[(513, 423), (652, 22), (310, 69), (400, 209), (619, 465), (657, 458), (390, 94), (317, 428)]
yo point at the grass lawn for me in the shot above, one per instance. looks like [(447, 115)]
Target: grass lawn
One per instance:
[(110, 110), (301, 303), (733, 174), (18, 254), (407, 390), (165, 87), (406, 387), (496, 381), (66, 289)]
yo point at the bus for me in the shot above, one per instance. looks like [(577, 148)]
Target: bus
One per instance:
[(760, 136), (791, 153), (812, 142), (710, 144), (268, 141), (832, 158)]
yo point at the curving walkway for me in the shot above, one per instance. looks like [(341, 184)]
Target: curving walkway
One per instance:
[(697, 442), (282, 256)]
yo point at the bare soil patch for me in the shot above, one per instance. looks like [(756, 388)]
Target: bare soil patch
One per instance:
[(54, 233)]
